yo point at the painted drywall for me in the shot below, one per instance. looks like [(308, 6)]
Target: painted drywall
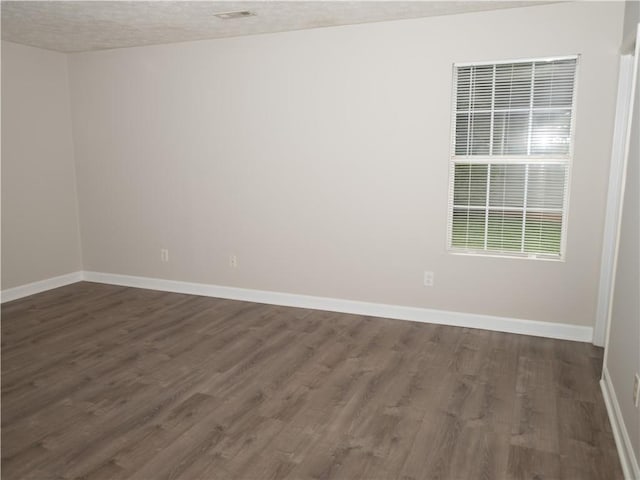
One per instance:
[(320, 159), (623, 348), (631, 18), (40, 236)]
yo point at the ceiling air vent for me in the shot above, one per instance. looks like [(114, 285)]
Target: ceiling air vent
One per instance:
[(232, 15)]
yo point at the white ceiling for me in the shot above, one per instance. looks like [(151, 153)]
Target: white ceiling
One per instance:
[(75, 26)]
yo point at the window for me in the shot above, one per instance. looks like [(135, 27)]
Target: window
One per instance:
[(512, 143)]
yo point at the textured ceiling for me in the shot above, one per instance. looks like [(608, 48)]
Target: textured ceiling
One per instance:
[(75, 26)]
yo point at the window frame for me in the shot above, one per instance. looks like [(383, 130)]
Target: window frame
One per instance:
[(565, 159)]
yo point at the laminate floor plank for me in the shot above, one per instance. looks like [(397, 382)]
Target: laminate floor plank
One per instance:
[(535, 424), (108, 382), (534, 464)]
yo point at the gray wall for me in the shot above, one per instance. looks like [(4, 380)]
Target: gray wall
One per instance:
[(631, 16), (40, 237), (320, 158), (623, 348)]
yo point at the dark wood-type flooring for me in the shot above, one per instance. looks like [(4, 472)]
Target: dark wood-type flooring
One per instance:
[(107, 382)]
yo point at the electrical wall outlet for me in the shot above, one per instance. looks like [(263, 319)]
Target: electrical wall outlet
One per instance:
[(233, 261), (636, 390), (428, 279), (164, 255)]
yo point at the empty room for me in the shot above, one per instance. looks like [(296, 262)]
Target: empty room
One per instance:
[(298, 240)]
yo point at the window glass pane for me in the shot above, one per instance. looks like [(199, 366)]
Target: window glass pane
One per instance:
[(468, 228), (543, 232), (482, 90), (462, 134), (504, 230), (470, 185), (553, 83), (463, 87), (513, 86), (507, 185), (473, 133), (551, 132), (511, 133), (480, 133), (546, 185)]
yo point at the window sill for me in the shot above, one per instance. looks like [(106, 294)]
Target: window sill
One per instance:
[(517, 256)]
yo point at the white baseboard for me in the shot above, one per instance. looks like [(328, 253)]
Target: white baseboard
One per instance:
[(623, 442), (40, 286), (485, 322), (399, 312)]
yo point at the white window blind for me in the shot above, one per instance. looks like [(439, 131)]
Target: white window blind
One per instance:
[(511, 153)]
